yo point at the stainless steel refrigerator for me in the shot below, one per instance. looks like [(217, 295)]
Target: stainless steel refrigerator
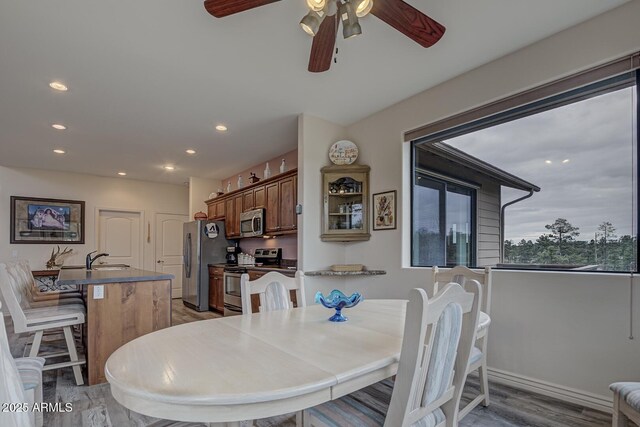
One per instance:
[(204, 244)]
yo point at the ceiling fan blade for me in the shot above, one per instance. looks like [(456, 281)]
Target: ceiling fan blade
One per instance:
[(221, 8), (409, 21), (323, 43)]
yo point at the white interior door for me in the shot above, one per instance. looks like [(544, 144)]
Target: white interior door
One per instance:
[(120, 235), (169, 248)]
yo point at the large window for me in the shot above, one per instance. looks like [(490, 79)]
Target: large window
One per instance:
[(443, 223), (579, 148)]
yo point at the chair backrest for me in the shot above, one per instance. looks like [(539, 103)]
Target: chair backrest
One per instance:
[(11, 388), (11, 292), (274, 291), (438, 337), (460, 274), (22, 281)]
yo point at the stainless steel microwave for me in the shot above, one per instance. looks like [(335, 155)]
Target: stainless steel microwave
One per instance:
[(252, 223)]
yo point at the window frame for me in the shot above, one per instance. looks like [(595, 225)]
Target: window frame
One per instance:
[(586, 91)]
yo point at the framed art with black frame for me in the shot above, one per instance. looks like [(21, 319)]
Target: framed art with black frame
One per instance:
[(37, 220), (384, 211)]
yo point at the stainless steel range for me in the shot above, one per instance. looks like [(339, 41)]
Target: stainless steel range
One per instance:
[(268, 257)]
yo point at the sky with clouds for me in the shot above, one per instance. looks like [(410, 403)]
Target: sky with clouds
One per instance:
[(595, 184)]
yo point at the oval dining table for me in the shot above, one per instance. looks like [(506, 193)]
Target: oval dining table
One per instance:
[(254, 366)]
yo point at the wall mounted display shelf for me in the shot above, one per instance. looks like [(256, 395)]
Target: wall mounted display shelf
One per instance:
[(345, 191)]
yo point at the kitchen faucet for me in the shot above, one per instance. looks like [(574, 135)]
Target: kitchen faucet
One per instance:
[(89, 260)]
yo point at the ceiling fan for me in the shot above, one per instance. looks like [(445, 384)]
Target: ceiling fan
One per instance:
[(325, 15)]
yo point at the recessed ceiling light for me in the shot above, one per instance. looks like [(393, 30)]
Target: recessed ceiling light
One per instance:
[(191, 151), (169, 167), (58, 151), (548, 162), (122, 173), (221, 128), (58, 86), (565, 161), (58, 126)]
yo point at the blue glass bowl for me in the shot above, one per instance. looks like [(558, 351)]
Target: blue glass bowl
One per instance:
[(338, 300)]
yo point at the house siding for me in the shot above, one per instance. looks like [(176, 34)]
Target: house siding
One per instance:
[(488, 224)]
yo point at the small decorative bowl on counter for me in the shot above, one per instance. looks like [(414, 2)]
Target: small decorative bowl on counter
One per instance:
[(338, 301)]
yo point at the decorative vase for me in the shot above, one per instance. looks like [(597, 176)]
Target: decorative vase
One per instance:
[(337, 300), (240, 183), (267, 171), (283, 167), (229, 186)]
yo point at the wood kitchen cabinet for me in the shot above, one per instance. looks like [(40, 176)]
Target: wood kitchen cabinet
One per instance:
[(215, 210), (345, 192), (253, 199), (259, 197), (237, 210), (216, 289), (287, 203), (233, 209), (248, 200), (276, 195), (281, 199), (229, 208)]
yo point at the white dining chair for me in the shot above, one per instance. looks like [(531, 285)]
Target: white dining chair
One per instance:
[(37, 320), (22, 383), (438, 336), (31, 297), (478, 359), (274, 290), (49, 296), (626, 403)]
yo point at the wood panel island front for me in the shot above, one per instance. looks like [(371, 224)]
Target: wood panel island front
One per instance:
[(121, 305)]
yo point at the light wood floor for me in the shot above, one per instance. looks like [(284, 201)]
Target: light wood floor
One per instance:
[(95, 406), (182, 314)]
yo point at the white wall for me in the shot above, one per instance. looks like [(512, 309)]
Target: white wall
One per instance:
[(199, 190), (564, 329), (315, 136), (115, 193)]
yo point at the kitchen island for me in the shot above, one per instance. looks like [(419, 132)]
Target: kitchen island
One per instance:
[(122, 305)]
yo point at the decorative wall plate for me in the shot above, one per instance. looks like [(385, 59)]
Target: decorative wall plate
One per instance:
[(343, 152)]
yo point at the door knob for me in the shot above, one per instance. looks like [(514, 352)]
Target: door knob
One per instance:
[(160, 261)]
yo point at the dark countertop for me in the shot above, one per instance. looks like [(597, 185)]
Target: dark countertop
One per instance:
[(345, 273), (286, 271), (84, 277)]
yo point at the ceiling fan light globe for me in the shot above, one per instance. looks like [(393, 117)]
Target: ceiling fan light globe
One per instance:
[(351, 30), (310, 23), (316, 5), (363, 8)]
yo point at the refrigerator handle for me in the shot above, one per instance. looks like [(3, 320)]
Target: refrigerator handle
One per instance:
[(187, 256)]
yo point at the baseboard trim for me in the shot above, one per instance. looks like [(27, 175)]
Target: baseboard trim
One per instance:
[(568, 394)]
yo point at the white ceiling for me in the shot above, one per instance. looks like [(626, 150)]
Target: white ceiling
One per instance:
[(151, 78)]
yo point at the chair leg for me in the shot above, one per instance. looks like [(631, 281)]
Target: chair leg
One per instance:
[(73, 354), (39, 416), (484, 382), (299, 418), (35, 346), (306, 419), (619, 419)]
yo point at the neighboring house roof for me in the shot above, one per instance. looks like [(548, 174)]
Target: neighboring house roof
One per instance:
[(453, 154)]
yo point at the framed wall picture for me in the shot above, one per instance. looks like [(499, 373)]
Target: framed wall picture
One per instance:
[(384, 211), (35, 220)]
